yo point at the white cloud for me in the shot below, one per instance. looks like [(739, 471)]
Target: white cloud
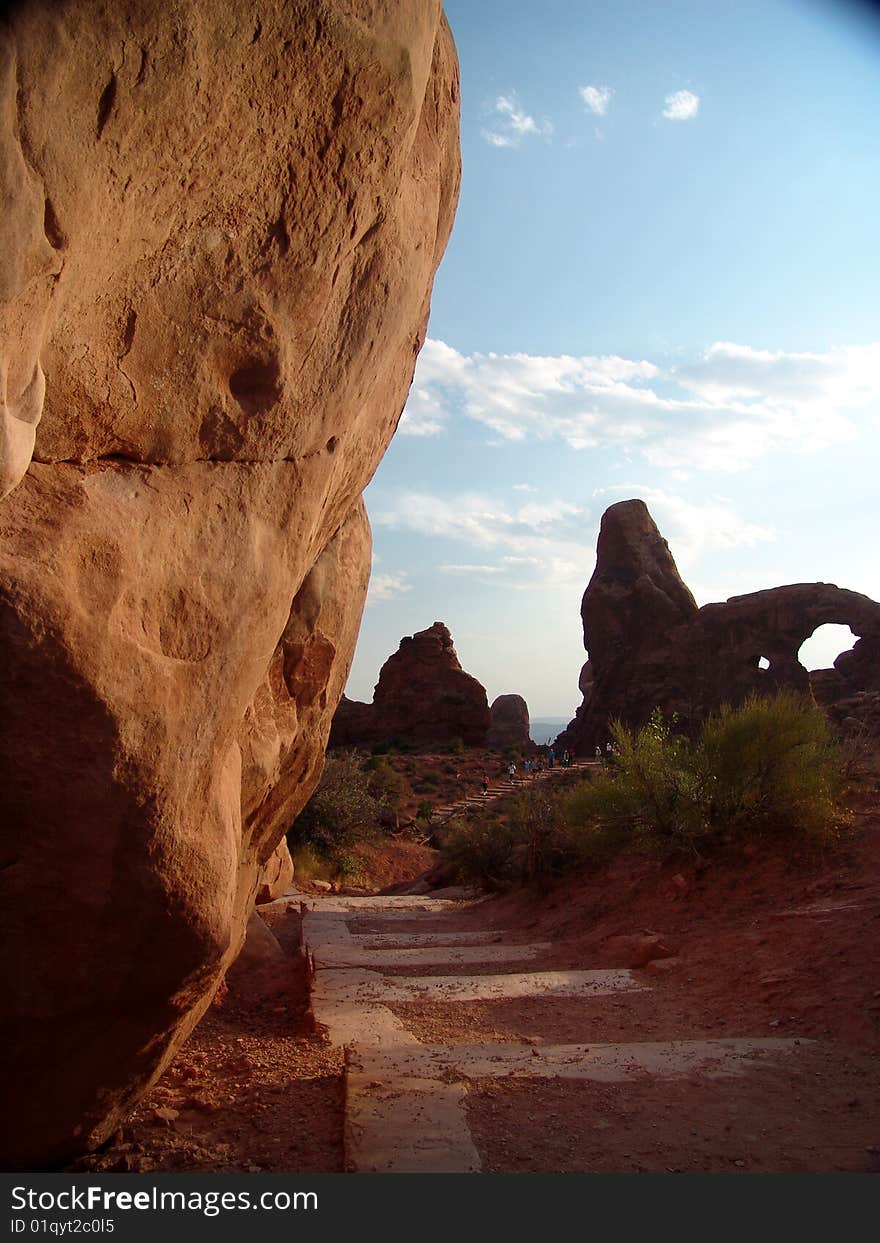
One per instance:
[(511, 123), (724, 411), (681, 106), (553, 546), (387, 586), (477, 518), (596, 98), (524, 487), (689, 528)]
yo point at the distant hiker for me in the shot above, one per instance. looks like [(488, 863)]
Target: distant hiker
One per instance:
[(566, 759), (551, 758), (609, 752), (485, 784), (511, 771), (598, 752)]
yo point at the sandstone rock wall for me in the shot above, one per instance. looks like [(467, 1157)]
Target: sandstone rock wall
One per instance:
[(220, 226), (650, 646)]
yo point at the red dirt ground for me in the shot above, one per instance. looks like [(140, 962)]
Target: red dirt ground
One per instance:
[(763, 942)]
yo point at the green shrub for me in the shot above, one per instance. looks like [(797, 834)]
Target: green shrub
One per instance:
[(482, 852), (340, 812), (345, 867), (386, 785), (534, 842), (766, 767), (771, 766)]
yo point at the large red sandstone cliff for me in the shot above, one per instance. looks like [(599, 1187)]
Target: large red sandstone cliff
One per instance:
[(220, 225)]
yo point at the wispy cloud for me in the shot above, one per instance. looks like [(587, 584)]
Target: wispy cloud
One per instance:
[(689, 528), (554, 545), (477, 518), (723, 412), (596, 98), (681, 106), (387, 587), (510, 123)]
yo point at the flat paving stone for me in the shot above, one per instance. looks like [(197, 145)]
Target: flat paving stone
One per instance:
[(401, 940), (344, 955), (362, 987), (605, 1063), (390, 903), (418, 1128)]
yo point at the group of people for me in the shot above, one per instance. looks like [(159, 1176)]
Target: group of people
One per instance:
[(608, 752)]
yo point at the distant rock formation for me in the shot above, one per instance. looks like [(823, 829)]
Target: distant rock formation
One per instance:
[(220, 224), (423, 696), (510, 724), (650, 646)]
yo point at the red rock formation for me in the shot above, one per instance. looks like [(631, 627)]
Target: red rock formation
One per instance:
[(650, 646), (423, 697), (510, 724), (220, 225), (277, 874)]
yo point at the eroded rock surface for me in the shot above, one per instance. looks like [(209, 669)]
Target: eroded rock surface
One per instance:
[(220, 226), (650, 646), (423, 696)]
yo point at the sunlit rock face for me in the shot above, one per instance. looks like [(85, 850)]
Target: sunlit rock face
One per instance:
[(423, 697), (220, 225), (650, 646)]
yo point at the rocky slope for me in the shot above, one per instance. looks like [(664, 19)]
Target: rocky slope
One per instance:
[(650, 646), (220, 227)]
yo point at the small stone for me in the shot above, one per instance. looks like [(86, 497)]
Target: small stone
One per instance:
[(166, 1114)]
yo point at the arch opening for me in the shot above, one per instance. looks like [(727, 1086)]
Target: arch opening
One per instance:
[(763, 662), (824, 646)]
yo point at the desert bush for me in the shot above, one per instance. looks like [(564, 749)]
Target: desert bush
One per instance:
[(340, 812), (649, 794), (769, 766), (547, 845), (385, 784), (533, 842), (482, 852)]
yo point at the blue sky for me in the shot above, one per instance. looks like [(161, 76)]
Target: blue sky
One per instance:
[(662, 282)]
